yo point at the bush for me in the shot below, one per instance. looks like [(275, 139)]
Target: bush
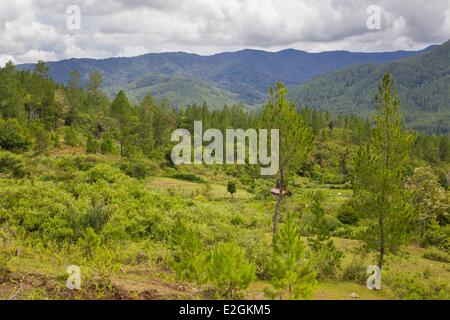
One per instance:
[(12, 165), (292, 274), (97, 215), (107, 145), (90, 242), (231, 188), (355, 271), (436, 255), (229, 271), (188, 259), (91, 145), (5, 255), (54, 139), (416, 287), (347, 214), (42, 139), (71, 137), (237, 220), (260, 254), (326, 259), (436, 237), (188, 177), (343, 232), (104, 172), (139, 168), (13, 136)]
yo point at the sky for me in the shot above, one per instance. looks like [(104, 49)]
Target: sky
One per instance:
[(49, 30)]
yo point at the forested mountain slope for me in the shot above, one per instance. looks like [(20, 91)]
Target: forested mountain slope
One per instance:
[(423, 83)]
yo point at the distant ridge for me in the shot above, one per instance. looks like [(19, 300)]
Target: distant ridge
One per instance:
[(223, 78)]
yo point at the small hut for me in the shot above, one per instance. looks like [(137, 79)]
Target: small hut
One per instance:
[(276, 192)]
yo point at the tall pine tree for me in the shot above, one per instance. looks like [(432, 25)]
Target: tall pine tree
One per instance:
[(379, 179)]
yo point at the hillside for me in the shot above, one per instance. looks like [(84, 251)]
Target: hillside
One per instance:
[(423, 83), (242, 76), (88, 186)]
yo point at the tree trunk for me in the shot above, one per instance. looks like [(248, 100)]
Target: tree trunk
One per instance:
[(97, 127), (276, 215), (381, 253)]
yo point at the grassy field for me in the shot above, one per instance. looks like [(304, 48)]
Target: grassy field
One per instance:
[(136, 270)]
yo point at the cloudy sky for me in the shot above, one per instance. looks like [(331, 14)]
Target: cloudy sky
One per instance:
[(31, 30)]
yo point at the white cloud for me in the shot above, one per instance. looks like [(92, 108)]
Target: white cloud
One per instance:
[(130, 51), (36, 55), (4, 58), (37, 29)]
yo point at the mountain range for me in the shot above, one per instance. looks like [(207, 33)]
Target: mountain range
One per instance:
[(338, 81), (242, 76)]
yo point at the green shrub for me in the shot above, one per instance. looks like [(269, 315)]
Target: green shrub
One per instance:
[(104, 172), (343, 232), (435, 237), (260, 254), (188, 177), (42, 139), (54, 138), (292, 274), (347, 214), (107, 145), (326, 258), (71, 137), (90, 242), (12, 165), (355, 271), (188, 260), (436, 255), (416, 287), (98, 214), (139, 168), (228, 270), (332, 223), (91, 145), (5, 255), (231, 188), (237, 220), (13, 137)]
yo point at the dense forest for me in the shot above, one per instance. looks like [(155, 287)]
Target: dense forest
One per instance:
[(88, 181), (423, 82)]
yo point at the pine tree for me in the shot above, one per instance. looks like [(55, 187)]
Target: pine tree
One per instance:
[(96, 98), (325, 257), (292, 275), (42, 139), (121, 110), (164, 122), (91, 145), (146, 111), (189, 260), (296, 139), (229, 271), (11, 94), (74, 97), (378, 179)]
